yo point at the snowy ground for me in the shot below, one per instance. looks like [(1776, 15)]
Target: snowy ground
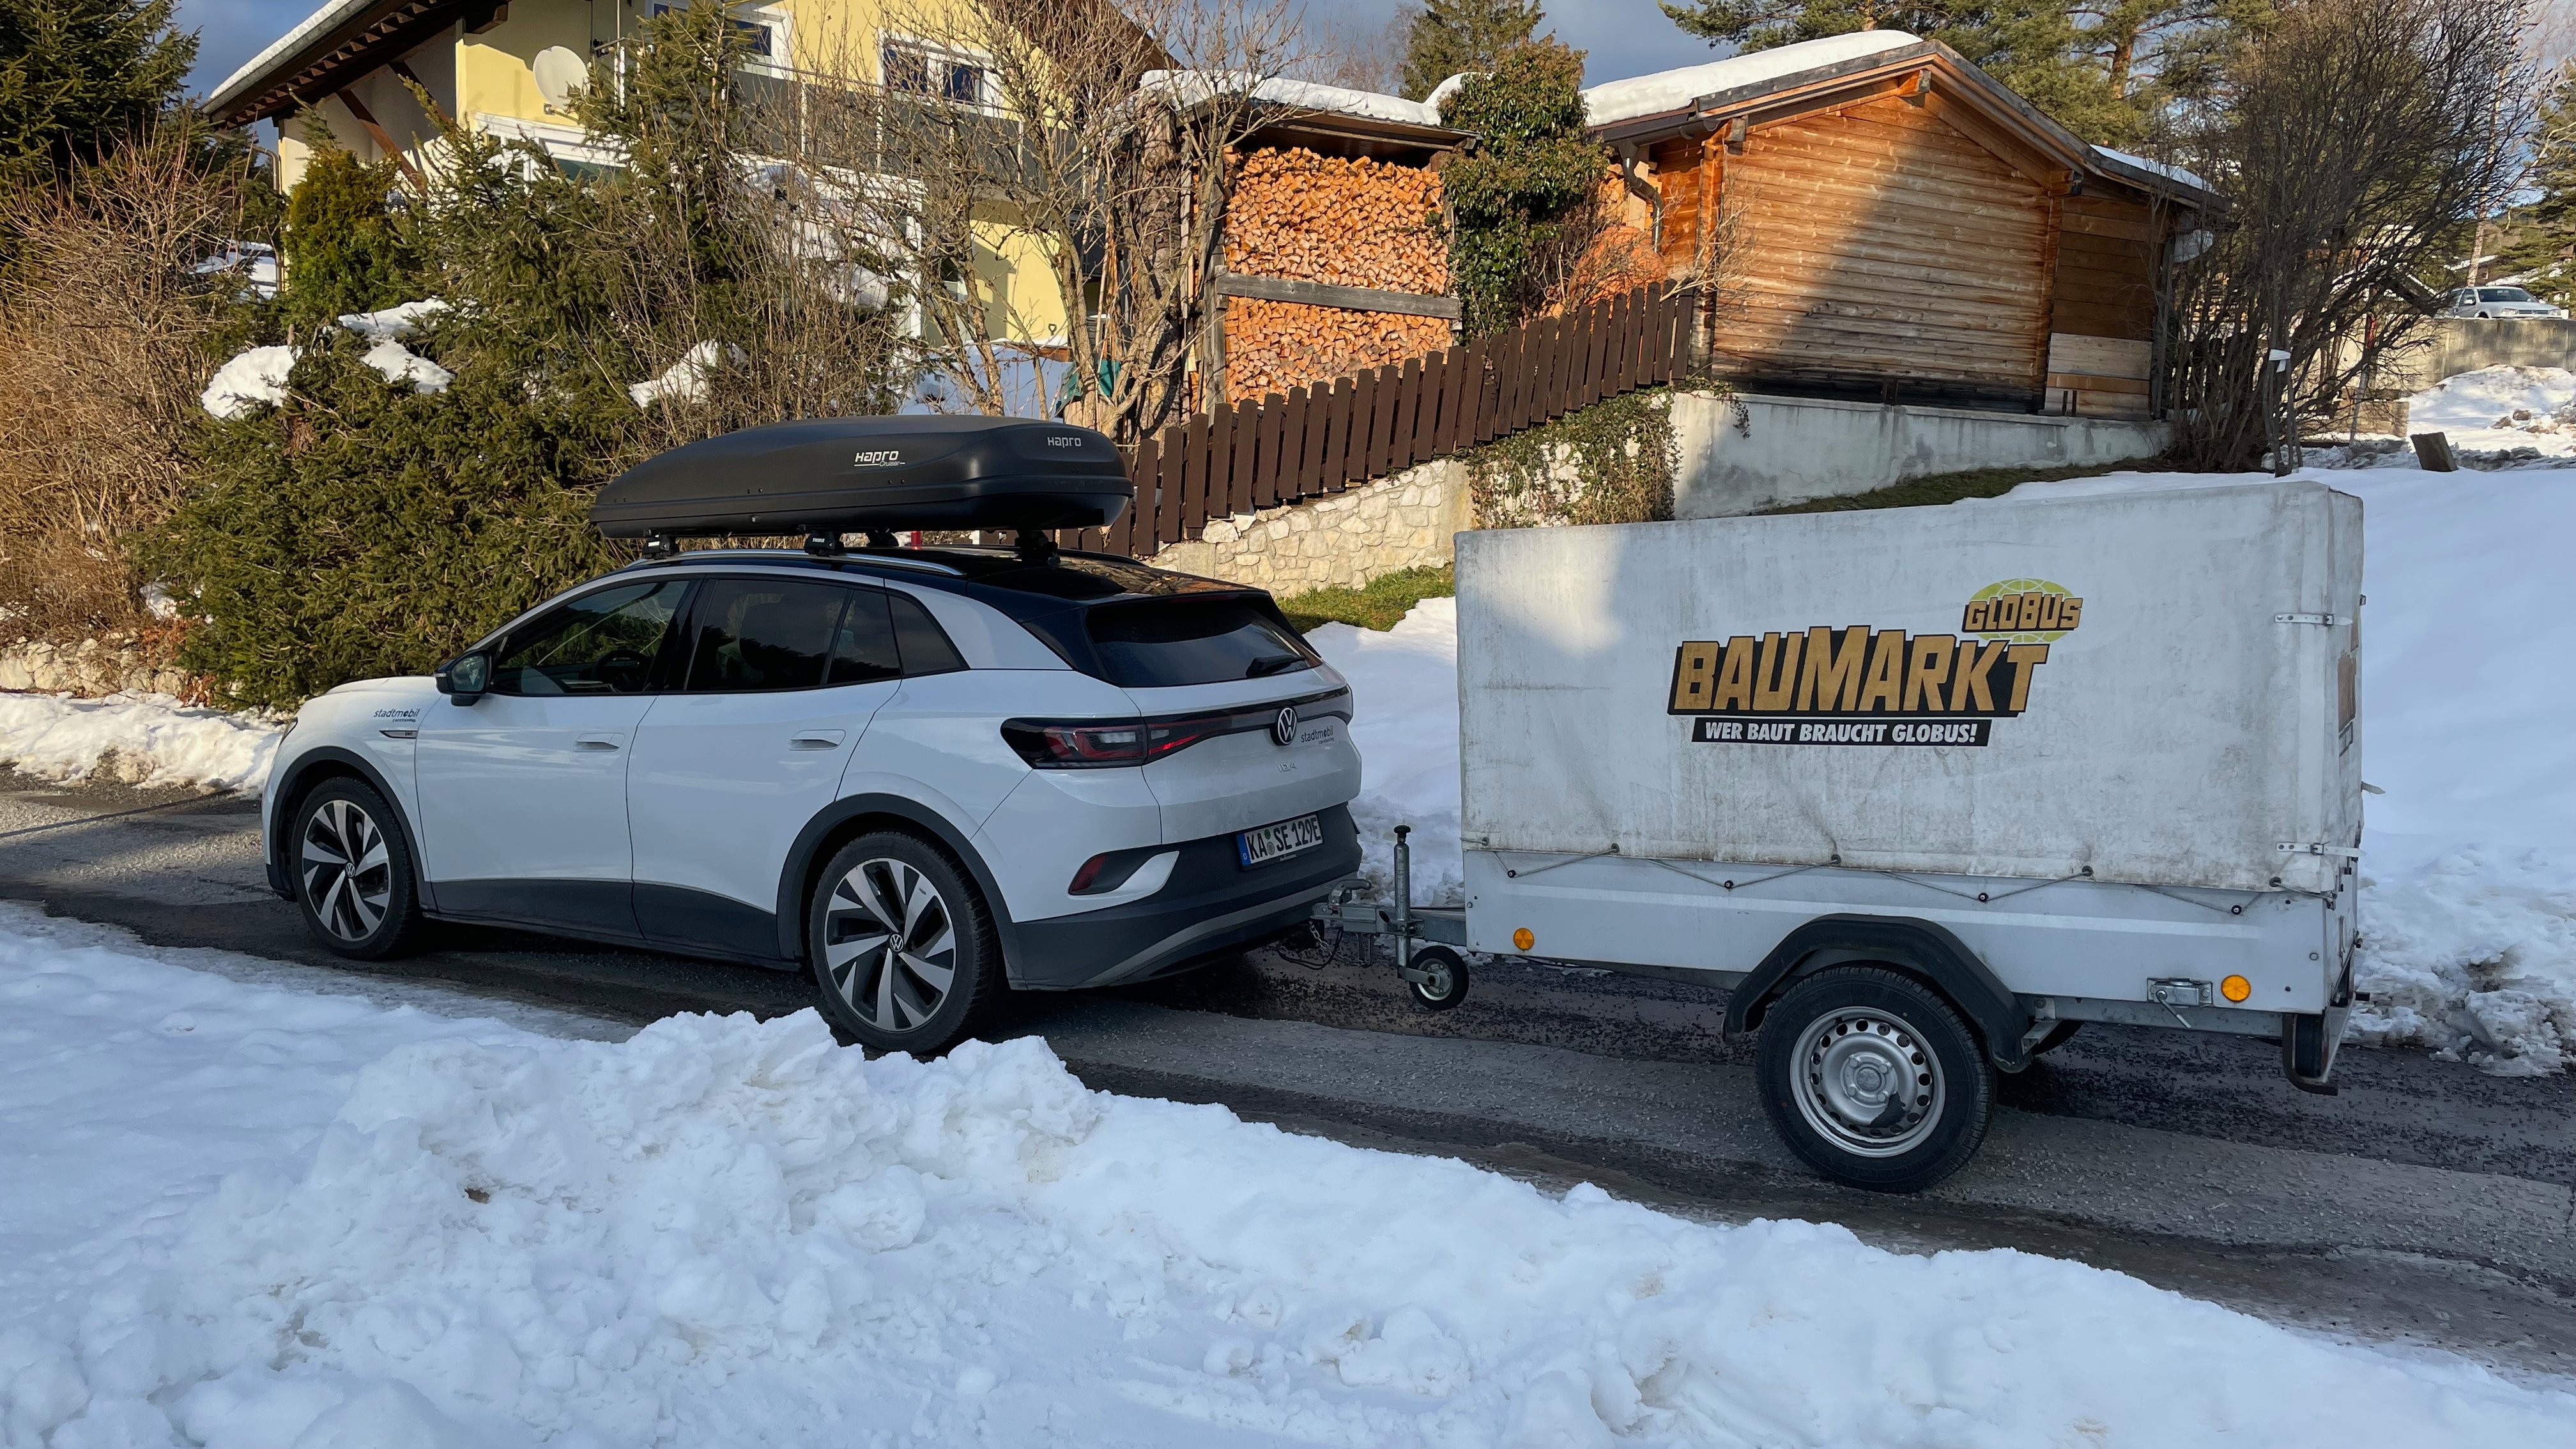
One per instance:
[(243, 1214), (149, 739), (2496, 418)]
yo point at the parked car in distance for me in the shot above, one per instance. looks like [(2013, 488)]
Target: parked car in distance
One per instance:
[(2498, 302)]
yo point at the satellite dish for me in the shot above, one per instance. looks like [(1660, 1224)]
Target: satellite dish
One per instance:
[(560, 73)]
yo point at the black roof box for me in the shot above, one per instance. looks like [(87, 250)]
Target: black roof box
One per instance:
[(853, 475)]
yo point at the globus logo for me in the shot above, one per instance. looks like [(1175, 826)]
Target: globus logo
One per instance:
[(1858, 685)]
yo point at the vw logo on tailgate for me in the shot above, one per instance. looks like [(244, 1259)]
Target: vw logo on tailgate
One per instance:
[(1283, 730)]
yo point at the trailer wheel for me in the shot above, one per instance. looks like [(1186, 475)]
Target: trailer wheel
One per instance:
[(1873, 1079), (1448, 972)]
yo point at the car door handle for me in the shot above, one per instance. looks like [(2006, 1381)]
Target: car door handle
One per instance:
[(596, 742), (815, 740)]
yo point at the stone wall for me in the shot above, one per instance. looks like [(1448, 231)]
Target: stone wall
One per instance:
[(1343, 541), (92, 668)]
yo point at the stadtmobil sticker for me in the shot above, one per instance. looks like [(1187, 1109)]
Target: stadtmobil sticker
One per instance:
[(1858, 685)]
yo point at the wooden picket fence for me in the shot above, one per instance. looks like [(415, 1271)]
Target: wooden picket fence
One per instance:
[(1328, 437)]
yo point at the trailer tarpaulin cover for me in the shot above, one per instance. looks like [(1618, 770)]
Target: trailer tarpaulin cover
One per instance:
[(2158, 688)]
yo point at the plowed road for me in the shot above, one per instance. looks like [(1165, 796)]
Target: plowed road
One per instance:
[(2426, 1203)]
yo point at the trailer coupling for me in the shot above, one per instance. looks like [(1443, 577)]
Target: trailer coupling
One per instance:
[(1427, 938)]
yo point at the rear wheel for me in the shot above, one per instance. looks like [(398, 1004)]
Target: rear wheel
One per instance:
[(1872, 1078), (353, 871), (903, 945)]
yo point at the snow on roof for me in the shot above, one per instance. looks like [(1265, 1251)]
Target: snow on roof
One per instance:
[(2170, 173), (1672, 90), (329, 14), (1194, 86)]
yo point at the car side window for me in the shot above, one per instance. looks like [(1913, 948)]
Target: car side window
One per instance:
[(600, 643), (864, 648), (756, 634), (923, 644)]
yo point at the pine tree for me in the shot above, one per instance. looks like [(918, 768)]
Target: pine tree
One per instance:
[(1450, 37), (345, 250), (2542, 245), (77, 76)]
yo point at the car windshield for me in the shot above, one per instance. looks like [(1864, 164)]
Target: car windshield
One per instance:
[(2503, 294)]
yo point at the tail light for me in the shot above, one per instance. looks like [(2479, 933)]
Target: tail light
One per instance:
[(1097, 744), (1108, 744)]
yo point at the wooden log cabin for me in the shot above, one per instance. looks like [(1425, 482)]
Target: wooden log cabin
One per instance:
[(1878, 219)]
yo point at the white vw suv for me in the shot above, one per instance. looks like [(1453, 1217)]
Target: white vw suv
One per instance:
[(925, 773)]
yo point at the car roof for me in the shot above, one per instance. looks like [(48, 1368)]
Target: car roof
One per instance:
[(998, 575)]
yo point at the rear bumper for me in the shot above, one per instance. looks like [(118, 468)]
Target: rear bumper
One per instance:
[(1211, 905)]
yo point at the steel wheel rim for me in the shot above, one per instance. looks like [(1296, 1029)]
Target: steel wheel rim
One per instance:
[(1867, 1082), (890, 944), (348, 870)]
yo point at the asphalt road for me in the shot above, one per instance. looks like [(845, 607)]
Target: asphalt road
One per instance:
[(2426, 1203)]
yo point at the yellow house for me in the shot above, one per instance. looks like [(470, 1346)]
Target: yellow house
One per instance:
[(354, 63)]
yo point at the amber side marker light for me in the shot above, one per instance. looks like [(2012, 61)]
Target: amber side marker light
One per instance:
[(2236, 988), (1522, 940)]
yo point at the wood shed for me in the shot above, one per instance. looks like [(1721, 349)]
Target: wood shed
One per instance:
[(1875, 218)]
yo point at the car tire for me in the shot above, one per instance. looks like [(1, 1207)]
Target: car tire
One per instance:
[(355, 880), (1873, 1079), (904, 951)]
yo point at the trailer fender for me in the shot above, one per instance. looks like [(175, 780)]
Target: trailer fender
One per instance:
[(1918, 948)]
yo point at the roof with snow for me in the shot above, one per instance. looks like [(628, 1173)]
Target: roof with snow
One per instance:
[(1814, 74)]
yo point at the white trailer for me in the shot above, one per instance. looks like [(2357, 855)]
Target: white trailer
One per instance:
[(1927, 787)]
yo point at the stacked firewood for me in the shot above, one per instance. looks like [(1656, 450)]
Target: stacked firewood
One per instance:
[(1350, 223), (1342, 222), (1274, 346)]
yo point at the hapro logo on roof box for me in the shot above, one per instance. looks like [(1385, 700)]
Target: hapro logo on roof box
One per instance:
[(877, 458), (1856, 685)]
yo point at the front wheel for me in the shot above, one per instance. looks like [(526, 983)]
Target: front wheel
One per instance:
[(1444, 982), (1872, 1078), (353, 871), (903, 945)]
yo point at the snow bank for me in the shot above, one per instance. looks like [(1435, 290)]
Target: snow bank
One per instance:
[(2524, 411), (2468, 903), (139, 739), (732, 1232), (1405, 685)]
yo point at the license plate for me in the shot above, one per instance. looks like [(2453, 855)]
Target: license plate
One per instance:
[(1267, 843)]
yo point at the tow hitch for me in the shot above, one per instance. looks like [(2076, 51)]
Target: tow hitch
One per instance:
[(1426, 938)]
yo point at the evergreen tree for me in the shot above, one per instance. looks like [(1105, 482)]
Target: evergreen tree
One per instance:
[(1450, 37), (1511, 199), (2102, 68), (76, 76), (2542, 234), (344, 246)]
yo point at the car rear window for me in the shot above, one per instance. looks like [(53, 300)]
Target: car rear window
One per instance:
[(1155, 643)]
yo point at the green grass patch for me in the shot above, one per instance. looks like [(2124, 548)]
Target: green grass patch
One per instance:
[(1387, 598), (1938, 488)]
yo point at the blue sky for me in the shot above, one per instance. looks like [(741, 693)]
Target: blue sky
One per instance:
[(1624, 37)]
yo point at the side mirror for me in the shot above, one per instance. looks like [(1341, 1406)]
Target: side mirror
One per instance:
[(465, 678)]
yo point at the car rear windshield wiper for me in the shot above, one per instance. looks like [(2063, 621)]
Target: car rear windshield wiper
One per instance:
[(1270, 664)]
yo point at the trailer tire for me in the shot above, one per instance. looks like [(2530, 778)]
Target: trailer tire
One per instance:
[(1448, 984), (1836, 1054)]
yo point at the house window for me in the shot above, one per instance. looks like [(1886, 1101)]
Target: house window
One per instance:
[(764, 32), (922, 70)]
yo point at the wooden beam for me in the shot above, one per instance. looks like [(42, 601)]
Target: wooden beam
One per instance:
[(1353, 299), (383, 140), (437, 112)]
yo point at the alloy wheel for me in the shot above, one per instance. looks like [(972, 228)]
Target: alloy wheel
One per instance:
[(1867, 1082), (890, 944), (348, 870)]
